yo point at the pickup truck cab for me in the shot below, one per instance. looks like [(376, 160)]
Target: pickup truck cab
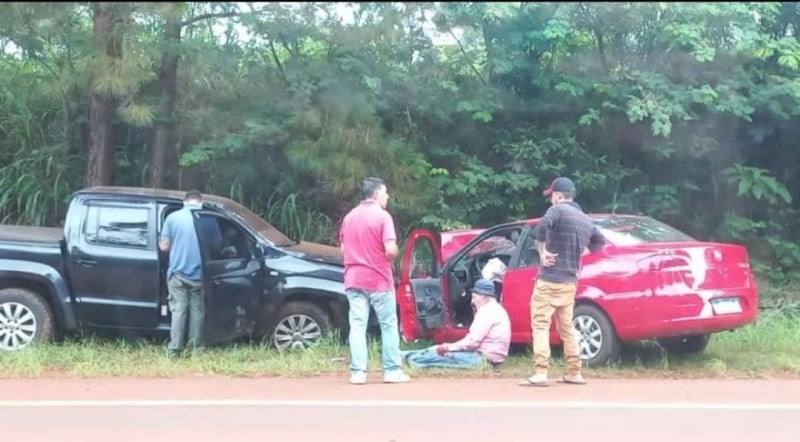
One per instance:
[(104, 272)]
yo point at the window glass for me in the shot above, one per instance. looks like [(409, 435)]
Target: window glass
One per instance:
[(423, 259), (528, 255), (224, 239), (117, 226), (629, 230)]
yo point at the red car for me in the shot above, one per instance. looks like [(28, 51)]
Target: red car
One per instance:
[(649, 281)]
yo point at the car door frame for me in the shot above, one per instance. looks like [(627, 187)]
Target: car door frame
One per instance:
[(407, 297), (408, 304), (516, 301), (136, 313), (235, 284)]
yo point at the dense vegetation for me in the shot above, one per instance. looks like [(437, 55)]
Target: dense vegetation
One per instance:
[(687, 112)]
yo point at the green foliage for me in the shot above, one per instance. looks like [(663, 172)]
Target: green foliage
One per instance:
[(688, 112), (298, 220), (757, 183)]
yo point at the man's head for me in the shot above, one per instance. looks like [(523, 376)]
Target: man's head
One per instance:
[(483, 292), (375, 189), (193, 198), (561, 189)]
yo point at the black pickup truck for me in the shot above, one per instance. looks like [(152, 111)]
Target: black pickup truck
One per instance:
[(104, 272)]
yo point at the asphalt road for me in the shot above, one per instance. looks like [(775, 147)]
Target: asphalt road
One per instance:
[(328, 409)]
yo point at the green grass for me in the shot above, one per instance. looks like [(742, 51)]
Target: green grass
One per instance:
[(768, 348)]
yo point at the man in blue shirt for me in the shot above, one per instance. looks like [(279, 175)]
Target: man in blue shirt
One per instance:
[(185, 274)]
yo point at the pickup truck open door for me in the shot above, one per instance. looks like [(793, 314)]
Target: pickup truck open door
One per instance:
[(233, 276)]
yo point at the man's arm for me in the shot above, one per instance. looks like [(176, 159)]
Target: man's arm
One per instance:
[(542, 230), (596, 241), (391, 250), (390, 238), (341, 236), (166, 235), (540, 247)]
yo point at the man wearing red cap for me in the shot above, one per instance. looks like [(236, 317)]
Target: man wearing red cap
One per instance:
[(563, 235)]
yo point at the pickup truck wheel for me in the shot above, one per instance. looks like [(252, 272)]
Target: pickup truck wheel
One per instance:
[(24, 319), (300, 326), (597, 341), (681, 345)]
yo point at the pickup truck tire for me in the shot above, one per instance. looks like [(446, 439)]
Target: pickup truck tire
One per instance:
[(25, 318), (300, 325)]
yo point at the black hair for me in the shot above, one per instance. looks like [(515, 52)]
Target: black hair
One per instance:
[(370, 186)]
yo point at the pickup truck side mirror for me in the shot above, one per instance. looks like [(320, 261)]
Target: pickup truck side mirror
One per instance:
[(262, 250)]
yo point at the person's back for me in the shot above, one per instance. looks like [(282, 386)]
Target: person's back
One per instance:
[(184, 254), (365, 229), (498, 338)]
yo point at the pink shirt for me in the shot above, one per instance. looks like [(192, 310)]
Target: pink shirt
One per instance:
[(363, 232), (489, 334)]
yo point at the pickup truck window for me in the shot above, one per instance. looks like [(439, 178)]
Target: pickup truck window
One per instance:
[(236, 244), (117, 226)]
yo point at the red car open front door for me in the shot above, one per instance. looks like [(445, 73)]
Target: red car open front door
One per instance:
[(420, 296)]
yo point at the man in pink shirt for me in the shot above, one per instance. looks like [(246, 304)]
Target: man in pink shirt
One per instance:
[(488, 339), (369, 245)]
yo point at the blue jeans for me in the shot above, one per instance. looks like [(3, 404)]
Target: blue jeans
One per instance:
[(385, 307), (428, 358)]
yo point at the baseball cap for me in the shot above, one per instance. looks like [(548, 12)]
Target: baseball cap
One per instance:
[(560, 184), (484, 287)]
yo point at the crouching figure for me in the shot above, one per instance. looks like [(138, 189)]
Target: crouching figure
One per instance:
[(487, 341)]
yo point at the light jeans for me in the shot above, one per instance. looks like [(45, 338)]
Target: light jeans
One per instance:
[(385, 307), (428, 358)]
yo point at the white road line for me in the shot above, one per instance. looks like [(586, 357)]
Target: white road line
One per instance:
[(396, 404)]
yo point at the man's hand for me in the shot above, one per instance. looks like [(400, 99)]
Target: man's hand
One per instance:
[(441, 349), (548, 258)]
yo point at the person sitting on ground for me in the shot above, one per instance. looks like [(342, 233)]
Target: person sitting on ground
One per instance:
[(488, 339)]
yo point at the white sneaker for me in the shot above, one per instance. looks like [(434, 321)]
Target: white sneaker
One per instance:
[(537, 379), (358, 378), (396, 377)]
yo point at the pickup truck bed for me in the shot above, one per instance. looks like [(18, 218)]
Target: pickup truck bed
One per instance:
[(31, 234)]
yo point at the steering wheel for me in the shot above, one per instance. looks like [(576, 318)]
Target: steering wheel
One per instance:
[(479, 263)]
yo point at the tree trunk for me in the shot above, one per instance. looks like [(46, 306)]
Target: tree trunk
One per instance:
[(101, 112), (164, 128)]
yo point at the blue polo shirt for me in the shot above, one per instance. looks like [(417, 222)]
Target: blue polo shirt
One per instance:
[(184, 250)]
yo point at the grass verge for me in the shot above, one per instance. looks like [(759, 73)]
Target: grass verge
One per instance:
[(768, 348)]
